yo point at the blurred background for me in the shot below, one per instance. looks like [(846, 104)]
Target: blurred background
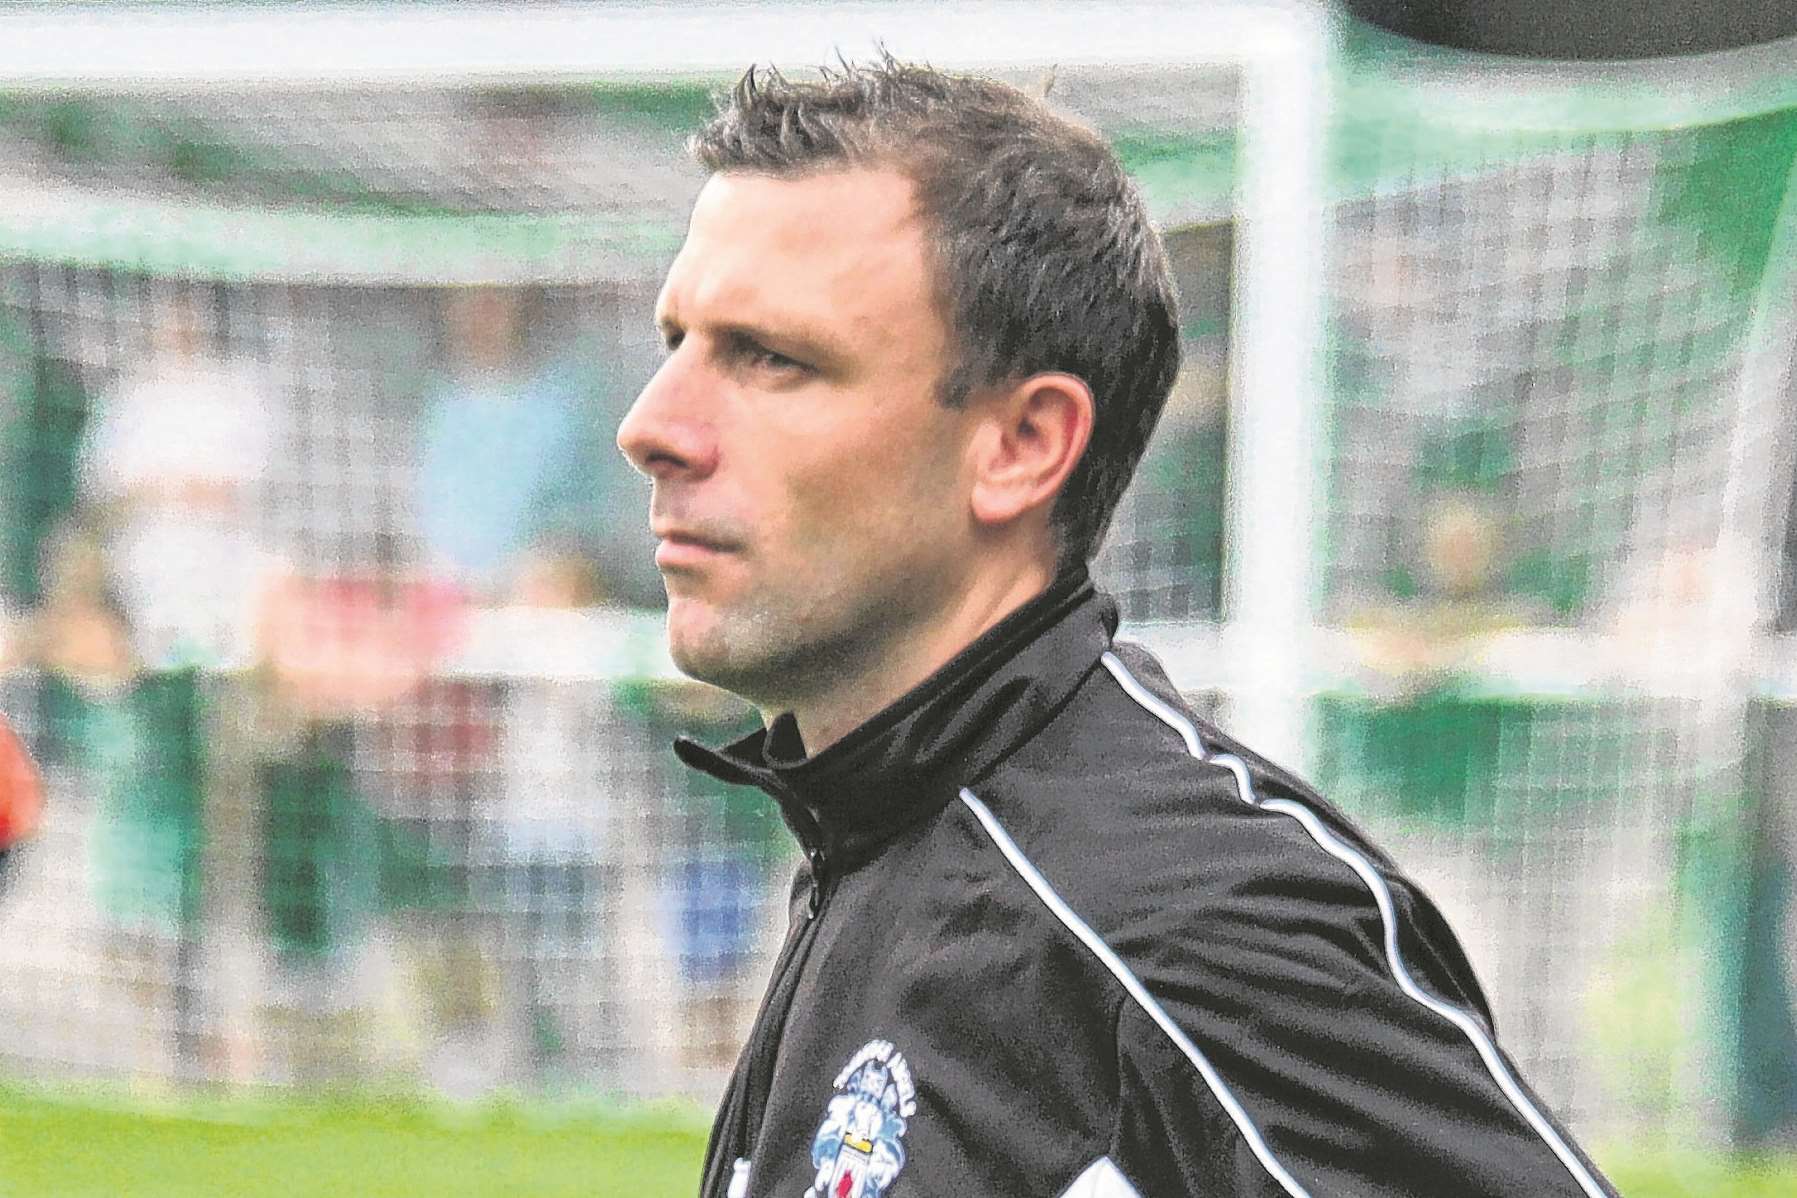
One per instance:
[(327, 604)]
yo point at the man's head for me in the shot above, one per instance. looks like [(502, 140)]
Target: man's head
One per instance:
[(906, 305), (1040, 249)]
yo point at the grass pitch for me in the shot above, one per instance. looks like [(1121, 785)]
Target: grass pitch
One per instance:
[(69, 1146), (85, 1145)]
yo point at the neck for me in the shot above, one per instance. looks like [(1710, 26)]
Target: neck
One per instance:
[(850, 700)]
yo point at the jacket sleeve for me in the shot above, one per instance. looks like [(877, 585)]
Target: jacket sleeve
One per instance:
[(1311, 1028)]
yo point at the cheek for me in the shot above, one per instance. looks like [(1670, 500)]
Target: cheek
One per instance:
[(860, 501), (862, 490)]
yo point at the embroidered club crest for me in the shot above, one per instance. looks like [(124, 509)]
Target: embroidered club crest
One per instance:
[(859, 1148)]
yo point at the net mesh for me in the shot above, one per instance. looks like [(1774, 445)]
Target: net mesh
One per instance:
[(319, 577), (460, 150), (1559, 337), (296, 560), (1551, 410)]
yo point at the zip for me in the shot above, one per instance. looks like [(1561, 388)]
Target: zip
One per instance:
[(770, 1024), (815, 900)]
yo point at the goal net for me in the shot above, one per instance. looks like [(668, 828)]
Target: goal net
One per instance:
[(332, 610), (1559, 328)]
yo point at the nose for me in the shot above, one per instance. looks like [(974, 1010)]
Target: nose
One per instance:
[(665, 434)]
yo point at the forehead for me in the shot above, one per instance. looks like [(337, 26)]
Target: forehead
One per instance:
[(844, 248)]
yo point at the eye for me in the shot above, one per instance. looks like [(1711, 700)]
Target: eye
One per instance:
[(752, 353), (760, 355), (671, 339)]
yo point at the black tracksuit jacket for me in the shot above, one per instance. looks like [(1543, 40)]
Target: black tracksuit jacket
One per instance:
[(1058, 938)]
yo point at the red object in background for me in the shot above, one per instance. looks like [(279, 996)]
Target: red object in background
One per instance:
[(21, 790), (346, 643)]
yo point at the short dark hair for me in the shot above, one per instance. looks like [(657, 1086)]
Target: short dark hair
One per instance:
[(1044, 256)]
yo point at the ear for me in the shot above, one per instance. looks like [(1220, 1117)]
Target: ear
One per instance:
[(1034, 433)]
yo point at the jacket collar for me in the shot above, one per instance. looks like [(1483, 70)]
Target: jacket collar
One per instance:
[(906, 762)]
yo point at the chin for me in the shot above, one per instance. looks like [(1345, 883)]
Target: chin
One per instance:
[(722, 648), (701, 667), (697, 640)]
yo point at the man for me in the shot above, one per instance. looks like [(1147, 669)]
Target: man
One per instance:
[(1054, 935)]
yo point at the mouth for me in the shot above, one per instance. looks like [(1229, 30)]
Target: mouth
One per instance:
[(682, 548)]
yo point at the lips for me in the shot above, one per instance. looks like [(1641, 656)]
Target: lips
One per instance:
[(693, 536), (689, 547)]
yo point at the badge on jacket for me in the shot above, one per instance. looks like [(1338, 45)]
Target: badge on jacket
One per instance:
[(859, 1149)]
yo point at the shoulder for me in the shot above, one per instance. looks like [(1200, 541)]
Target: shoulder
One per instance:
[(1283, 977), (1193, 858)]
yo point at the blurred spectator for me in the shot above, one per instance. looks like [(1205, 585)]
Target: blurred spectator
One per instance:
[(342, 657), (518, 482), (170, 466), (1452, 582), (132, 737), (518, 498)]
